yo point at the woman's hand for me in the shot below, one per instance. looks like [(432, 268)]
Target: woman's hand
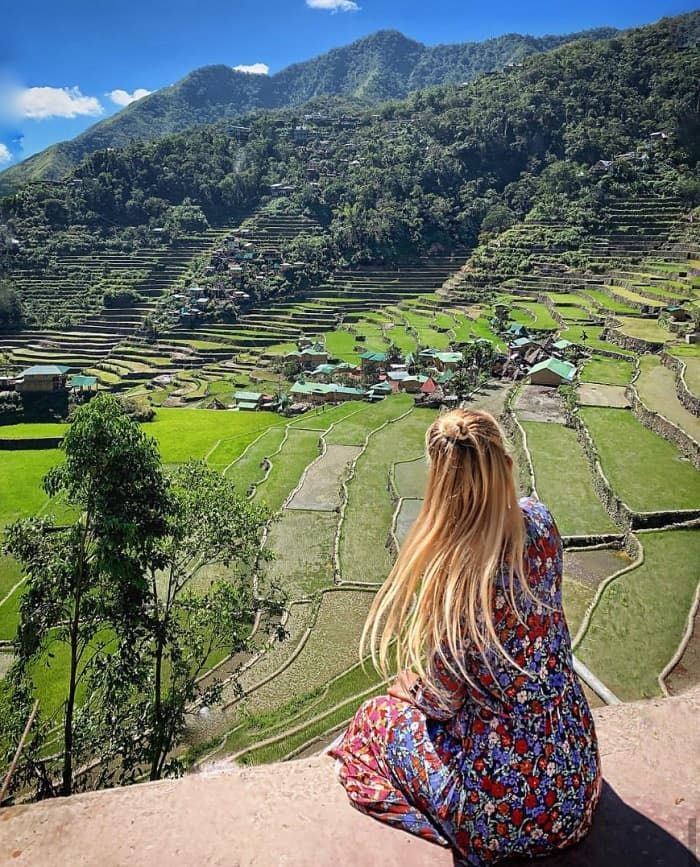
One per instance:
[(401, 687)]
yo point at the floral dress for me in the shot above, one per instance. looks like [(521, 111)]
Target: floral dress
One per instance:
[(511, 766)]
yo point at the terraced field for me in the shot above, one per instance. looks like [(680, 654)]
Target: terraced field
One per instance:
[(346, 483)]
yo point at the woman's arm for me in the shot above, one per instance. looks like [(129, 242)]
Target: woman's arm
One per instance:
[(409, 687)]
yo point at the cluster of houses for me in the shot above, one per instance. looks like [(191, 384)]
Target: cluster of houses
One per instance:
[(656, 139), (544, 361), (238, 272), (428, 375)]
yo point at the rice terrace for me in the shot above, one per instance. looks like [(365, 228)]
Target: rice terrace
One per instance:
[(302, 354)]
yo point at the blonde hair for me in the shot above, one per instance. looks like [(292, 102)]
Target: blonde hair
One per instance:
[(439, 594)]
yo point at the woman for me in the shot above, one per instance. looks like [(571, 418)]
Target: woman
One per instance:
[(485, 742)]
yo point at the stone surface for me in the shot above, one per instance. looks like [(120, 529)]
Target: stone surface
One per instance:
[(296, 814)]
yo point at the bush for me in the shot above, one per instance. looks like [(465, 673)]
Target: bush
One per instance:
[(121, 298), (139, 410)]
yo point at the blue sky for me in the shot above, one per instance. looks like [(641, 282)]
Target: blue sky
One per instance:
[(64, 66)]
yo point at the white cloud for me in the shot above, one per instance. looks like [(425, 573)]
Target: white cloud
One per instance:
[(5, 155), (253, 68), (334, 5), (41, 102), (123, 97)]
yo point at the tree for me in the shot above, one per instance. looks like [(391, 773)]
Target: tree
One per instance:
[(84, 578), (209, 526)]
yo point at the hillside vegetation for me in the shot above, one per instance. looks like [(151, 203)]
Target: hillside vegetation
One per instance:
[(384, 65)]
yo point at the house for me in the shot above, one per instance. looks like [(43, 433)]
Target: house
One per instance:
[(520, 346), (43, 378), (82, 383), (277, 190), (368, 358), (319, 392), (516, 330), (248, 400), (402, 380), (314, 354), (323, 371), (562, 345), (677, 314), (342, 393), (553, 372), (379, 391), (601, 167), (429, 386), (447, 360)]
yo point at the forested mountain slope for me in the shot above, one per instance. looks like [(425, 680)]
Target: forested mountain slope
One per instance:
[(385, 65), (433, 170)]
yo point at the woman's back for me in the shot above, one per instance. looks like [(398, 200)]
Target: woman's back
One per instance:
[(491, 749)]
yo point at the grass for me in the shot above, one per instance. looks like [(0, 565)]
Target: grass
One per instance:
[(332, 647), (576, 597), (564, 480), (322, 418), (690, 355), (341, 344), (642, 615), (657, 388), (298, 451), (182, 435), (22, 473), (259, 726), (410, 478), (646, 471), (363, 553), (574, 333), (354, 429), (32, 430), (609, 303), (645, 329), (247, 468), (608, 371)]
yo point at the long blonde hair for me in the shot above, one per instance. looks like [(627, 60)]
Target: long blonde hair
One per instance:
[(438, 597)]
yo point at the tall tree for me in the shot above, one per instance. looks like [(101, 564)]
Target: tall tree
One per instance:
[(85, 576), (200, 603)]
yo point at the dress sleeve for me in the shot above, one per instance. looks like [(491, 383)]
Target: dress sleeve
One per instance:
[(440, 707)]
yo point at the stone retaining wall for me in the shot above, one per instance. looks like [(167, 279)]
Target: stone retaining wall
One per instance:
[(552, 307), (620, 513), (664, 427), (634, 344), (689, 400)]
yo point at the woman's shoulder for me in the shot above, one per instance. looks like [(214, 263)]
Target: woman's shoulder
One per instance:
[(538, 517)]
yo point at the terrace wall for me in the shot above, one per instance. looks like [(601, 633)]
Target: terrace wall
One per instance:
[(662, 426), (619, 511), (689, 400)]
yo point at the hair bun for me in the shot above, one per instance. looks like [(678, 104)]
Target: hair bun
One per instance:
[(454, 428)]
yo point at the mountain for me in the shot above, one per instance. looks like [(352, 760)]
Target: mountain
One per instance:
[(385, 65)]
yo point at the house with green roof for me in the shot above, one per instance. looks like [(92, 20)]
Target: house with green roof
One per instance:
[(324, 392), (43, 378), (517, 329), (447, 360), (314, 354), (248, 400), (553, 372), (82, 383), (323, 370), (369, 357)]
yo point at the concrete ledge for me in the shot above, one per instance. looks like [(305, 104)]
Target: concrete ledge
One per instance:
[(296, 813)]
